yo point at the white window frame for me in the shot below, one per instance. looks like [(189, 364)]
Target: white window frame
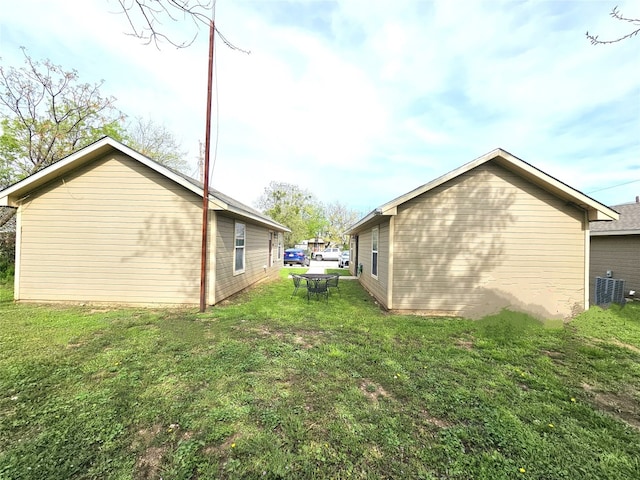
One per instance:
[(375, 239), (239, 247)]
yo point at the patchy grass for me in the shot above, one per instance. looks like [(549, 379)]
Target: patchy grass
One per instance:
[(343, 272), (269, 386)]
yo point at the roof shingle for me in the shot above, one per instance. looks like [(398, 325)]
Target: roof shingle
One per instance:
[(629, 220)]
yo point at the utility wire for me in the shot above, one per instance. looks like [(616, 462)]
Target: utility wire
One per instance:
[(614, 186)]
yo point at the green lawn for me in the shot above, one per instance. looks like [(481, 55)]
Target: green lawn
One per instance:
[(267, 386)]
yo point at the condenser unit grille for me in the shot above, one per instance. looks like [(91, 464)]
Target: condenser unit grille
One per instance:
[(609, 290)]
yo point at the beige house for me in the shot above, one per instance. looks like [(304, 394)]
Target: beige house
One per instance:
[(495, 233), (615, 248), (107, 224)]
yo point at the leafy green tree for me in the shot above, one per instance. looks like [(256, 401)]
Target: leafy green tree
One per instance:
[(339, 218), (46, 114), (294, 207)]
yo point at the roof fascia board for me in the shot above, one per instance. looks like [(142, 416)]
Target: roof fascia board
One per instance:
[(597, 211), (105, 144), (614, 232), (75, 159), (236, 212)]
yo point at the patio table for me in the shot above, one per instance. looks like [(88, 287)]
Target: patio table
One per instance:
[(318, 284)]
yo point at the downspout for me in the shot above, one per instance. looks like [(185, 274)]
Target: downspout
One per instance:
[(205, 188), (18, 253), (587, 260)]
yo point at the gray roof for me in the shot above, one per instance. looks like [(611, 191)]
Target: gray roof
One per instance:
[(628, 223), (225, 198)]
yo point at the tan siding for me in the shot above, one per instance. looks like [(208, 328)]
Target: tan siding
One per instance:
[(621, 255), (377, 286), (487, 240), (256, 257), (112, 231)]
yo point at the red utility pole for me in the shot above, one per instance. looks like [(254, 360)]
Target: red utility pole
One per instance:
[(205, 188)]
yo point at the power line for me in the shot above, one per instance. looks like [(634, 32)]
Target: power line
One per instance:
[(614, 186)]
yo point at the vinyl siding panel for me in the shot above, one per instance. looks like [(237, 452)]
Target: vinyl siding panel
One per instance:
[(621, 255), (486, 240), (256, 257), (378, 287), (111, 231)]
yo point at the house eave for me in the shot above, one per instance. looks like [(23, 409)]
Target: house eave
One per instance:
[(596, 211), (614, 233), (14, 195)]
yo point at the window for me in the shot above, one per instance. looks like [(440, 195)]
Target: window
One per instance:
[(238, 266), (279, 240), (374, 252)]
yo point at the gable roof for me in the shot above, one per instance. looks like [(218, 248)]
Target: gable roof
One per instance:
[(11, 195), (595, 209), (627, 224)]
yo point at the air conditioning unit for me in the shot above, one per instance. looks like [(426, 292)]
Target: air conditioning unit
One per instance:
[(609, 290)]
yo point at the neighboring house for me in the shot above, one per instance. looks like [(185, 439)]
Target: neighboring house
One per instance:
[(495, 233), (615, 248), (107, 224)]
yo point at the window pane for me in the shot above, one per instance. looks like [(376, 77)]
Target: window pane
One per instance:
[(374, 264), (239, 265), (239, 247), (240, 233)]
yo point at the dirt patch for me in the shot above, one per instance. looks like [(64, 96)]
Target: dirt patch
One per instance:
[(621, 405), (430, 419), (149, 461), (464, 343), (224, 447), (148, 464), (552, 354), (373, 391), (298, 340), (618, 343)]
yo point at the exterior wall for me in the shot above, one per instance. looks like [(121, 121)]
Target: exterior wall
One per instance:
[(256, 257), (113, 231), (486, 240), (621, 255), (379, 286)]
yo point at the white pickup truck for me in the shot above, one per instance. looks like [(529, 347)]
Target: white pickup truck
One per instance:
[(328, 254)]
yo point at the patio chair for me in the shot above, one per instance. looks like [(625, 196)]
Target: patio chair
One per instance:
[(296, 283), (332, 282), (317, 286)]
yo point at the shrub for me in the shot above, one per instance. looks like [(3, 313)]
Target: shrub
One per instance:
[(7, 255)]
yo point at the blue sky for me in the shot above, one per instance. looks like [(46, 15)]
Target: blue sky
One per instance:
[(362, 101)]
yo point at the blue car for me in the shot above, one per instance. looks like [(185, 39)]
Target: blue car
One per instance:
[(295, 255)]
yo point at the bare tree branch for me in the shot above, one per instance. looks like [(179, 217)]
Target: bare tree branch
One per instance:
[(617, 14), (146, 18)]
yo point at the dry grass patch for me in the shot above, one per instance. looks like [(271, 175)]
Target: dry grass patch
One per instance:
[(430, 419), (622, 405), (373, 391)]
